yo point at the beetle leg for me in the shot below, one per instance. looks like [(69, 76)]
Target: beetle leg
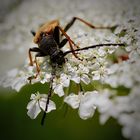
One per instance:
[(39, 54), (35, 49), (70, 42), (85, 22), (63, 42), (56, 35)]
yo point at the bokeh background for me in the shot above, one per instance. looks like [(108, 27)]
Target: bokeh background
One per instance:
[(17, 17), (63, 124)]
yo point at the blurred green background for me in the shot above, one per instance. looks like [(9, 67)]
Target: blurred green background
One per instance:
[(63, 124)]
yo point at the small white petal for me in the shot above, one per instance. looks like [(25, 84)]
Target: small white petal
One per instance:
[(18, 83), (96, 76), (86, 111), (59, 90), (87, 107), (113, 69), (85, 79), (33, 109), (31, 69), (51, 105), (76, 79), (72, 100), (65, 80), (46, 78), (103, 118), (101, 52), (32, 96)]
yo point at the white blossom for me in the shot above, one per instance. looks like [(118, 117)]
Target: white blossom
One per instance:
[(16, 79), (60, 83), (85, 103), (131, 125), (38, 103)]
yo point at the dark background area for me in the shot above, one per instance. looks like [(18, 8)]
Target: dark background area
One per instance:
[(7, 6), (63, 124)]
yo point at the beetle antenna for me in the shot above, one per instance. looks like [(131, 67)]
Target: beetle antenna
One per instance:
[(33, 32), (93, 46), (49, 95)]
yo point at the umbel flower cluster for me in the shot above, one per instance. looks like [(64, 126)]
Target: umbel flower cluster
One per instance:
[(106, 80), (105, 70)]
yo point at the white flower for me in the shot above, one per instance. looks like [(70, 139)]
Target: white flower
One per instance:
[(44, 77), (131, 125), (60, 83), (80, 74), (85, 103), (101, 52), (38, 102), (73, 100), (100, 74), (104, 105), (15, 79)]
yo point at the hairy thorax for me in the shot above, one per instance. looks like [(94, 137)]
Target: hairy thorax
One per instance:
[(47, 28)]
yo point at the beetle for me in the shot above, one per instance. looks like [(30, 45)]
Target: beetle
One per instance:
[(49, 41)]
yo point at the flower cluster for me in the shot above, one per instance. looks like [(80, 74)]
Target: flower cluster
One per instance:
[(111, 72)]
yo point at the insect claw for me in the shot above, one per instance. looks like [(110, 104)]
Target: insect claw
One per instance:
[(30, 79), (76, 46)]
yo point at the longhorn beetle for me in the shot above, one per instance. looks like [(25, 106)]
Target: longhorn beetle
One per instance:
[(49, 41)]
